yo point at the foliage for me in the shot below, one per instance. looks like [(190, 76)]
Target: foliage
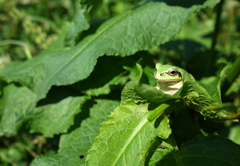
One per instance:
[(78, 88)]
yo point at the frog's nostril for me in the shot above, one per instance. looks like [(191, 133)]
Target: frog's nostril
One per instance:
[(160, 74)]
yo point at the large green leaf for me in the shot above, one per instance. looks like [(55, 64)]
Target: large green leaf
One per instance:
[(16, 107), (126, 137), (56, 118), (198, 152), (148, 25), (17, 112), (74, 146)]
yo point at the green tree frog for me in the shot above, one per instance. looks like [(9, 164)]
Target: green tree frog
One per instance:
[(170, 78)]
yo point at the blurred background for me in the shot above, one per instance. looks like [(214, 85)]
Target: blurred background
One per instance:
[(28, 27)]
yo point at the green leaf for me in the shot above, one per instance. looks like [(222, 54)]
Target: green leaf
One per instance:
[(59, 43), (222, 77), (214, 151), (234, 134), (16, 108), (199, 151), (79, 24), (148, 72), (74, 146), (164, 129), (18, 113), (122, 35), (129, 93), (135, 73), (105, 89), (128, 90), (232, 74), (152, 94), (195, 95), (125, 138), (164, 149), (210, 84), (57, 118), (235, 87)]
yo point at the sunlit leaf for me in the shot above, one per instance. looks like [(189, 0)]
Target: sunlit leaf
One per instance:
[(16, 108), (57, 118), (125, 138), (121, 36), (74, 146)]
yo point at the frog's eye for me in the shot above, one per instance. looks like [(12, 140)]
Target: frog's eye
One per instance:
[(155, 69), (172, 72)]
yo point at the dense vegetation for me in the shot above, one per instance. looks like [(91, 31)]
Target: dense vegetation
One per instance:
[(77, 85)]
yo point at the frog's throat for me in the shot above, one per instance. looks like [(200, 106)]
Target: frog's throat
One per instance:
[(170, 87)]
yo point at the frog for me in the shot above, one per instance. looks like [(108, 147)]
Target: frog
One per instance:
[(171, 78)]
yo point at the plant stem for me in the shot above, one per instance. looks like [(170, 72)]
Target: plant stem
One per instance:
[(234, 71), (19, 43), (157, 112), (212, 56)]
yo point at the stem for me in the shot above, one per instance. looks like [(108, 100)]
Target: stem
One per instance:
[(19, 43), (212, 56), (234, 71), (31, 152), (157, 112)]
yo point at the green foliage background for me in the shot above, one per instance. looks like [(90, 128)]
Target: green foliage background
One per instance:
[(68, 71)]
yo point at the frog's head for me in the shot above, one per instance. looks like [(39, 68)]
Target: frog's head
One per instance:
[(167, 74)]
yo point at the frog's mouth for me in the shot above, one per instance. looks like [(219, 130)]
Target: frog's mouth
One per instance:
[(169, 80)]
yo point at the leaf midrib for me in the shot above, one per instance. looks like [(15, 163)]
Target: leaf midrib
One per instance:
[(136, 130), (84, 47)]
